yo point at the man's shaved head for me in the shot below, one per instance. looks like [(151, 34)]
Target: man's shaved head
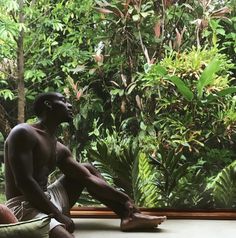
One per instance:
[(39, 103)]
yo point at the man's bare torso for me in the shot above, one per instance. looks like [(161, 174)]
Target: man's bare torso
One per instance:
[(43, 154)]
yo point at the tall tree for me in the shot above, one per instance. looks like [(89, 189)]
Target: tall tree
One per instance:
[(20, 66)]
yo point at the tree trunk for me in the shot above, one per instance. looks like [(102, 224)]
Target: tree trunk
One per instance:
[(5, 126), (20, 68)]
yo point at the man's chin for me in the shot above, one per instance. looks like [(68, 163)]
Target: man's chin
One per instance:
[(70, 118)]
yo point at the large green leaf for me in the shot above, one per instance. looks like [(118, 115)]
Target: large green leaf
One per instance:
[(222, 93), (207, 76), (226, 91), (182, 87)]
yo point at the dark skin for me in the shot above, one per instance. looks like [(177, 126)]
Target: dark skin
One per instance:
[(32, 152)]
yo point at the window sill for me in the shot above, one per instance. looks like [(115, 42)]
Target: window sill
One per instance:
[(100, 212)]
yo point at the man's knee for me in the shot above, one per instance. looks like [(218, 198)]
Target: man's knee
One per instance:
[(89, 166), (92, 170)]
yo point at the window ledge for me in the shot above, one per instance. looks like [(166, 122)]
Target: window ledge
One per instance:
[(100, 212)]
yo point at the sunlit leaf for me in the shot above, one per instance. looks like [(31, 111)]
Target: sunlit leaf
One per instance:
[(104, 10), (136, 17), (182, 87), (207, 76)]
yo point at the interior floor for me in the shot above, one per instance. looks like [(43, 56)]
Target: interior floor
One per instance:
[(179, 228)]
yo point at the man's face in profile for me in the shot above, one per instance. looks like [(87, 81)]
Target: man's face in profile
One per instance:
[(61, 109)]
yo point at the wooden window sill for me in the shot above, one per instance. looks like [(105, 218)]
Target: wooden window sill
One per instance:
[(100, 212)]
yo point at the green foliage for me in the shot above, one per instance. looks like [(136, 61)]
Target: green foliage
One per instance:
[(187, 95), (117, 158), (161, 73), (216, 159), (206, 77), (224, 189), (121, 163), (146, 182), (192, 107), (6, 94), (2, 177), (171, 167)]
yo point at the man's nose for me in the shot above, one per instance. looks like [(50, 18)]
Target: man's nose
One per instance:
[(69, 105)]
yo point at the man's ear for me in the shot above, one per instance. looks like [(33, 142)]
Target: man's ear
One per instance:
[(48, 104)]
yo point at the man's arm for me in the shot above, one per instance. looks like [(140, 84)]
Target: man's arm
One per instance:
[(95, 186), (20, 146)]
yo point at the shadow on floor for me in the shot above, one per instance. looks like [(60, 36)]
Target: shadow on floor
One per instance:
[(107, 226), (93, 225)]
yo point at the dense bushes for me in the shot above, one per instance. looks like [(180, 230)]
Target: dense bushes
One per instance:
[(152, 86)]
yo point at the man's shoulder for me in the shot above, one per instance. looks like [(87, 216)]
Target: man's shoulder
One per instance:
[(61, 147), (22, 130), (62, 150)]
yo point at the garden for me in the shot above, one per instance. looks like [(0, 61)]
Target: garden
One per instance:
[(152, 84)]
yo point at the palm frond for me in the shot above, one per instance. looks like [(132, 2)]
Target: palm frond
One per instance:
[(118, 161), (224, 187), (146, 186)]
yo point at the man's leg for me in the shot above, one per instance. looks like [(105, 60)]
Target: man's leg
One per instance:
[(131, 218), (74, 190), (60, 232), (121, 209)]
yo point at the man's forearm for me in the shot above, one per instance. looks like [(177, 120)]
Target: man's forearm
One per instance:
[(38, 199)]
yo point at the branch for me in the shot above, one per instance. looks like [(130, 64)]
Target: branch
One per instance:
[(145, 51), (35, 40), (13, 16), (40, 16), (45, 79)]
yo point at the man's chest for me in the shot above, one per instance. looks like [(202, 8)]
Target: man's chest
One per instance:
[(44, 153)]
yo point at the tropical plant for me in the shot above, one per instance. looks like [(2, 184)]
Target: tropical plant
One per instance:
[(148, 192), (223, 187), (161, 73), (189, 102), (124, 166), (118, 158), (186, 87), (171, 167)]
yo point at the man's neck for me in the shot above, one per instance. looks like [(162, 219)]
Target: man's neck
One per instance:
[(49, 126)]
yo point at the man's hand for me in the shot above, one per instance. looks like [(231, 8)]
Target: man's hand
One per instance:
[(67, 221)]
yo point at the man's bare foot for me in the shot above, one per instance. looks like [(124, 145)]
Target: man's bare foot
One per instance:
[(139, 221)]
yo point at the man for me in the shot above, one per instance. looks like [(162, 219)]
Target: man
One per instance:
[(32, 152)]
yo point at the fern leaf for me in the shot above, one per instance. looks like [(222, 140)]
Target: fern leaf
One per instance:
[(224, 187)]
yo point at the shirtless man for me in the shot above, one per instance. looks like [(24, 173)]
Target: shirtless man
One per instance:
[(32, 152)]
